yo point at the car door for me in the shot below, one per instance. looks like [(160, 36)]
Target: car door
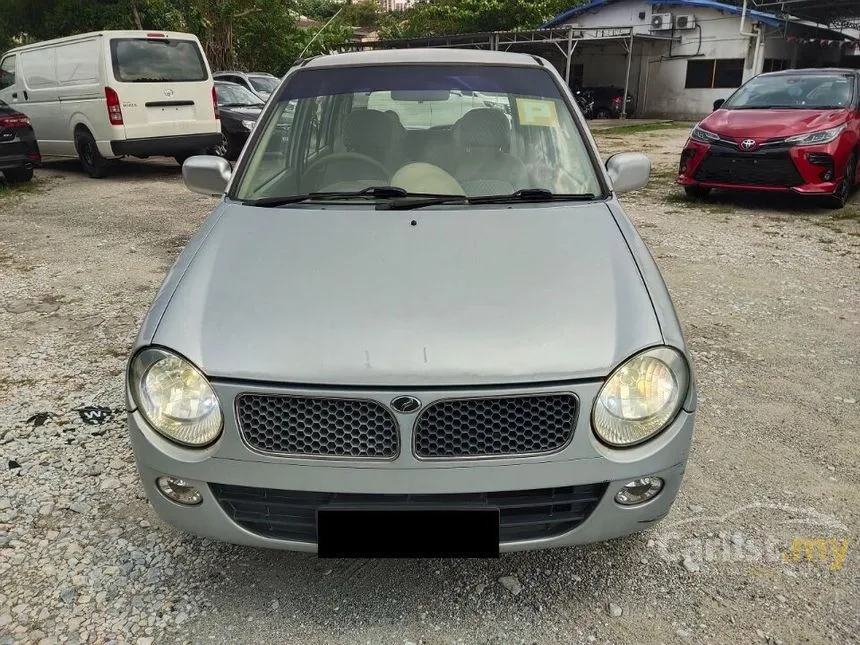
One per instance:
[(38, 70), (163, 84), (9, 91)]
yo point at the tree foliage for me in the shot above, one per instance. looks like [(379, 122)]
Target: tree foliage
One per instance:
[(262, 35), (443, 17)]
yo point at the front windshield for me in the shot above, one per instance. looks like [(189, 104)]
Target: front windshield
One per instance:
[(265, 84), (429, 129), (234, 94), (801, 91)]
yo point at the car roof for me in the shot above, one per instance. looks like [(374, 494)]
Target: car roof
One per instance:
[(232, 73), (423, 56)]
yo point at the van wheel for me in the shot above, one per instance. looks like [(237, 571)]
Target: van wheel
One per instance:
[(88, 152), (18, 175)]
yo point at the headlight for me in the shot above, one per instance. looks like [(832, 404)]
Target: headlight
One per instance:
[(697, 134), (641, 397), (249, 125), (814, 138), (175, 397)]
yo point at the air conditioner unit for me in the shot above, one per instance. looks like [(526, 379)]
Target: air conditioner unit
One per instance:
[(661, 22), (685, 22)]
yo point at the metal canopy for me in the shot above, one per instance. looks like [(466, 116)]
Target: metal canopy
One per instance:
[(564, 39), (837, 14)]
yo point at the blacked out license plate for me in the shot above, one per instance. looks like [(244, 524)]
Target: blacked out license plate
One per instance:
[(407, 533)]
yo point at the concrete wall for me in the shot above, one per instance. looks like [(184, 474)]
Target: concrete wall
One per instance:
[(665, 94), (658, 73)]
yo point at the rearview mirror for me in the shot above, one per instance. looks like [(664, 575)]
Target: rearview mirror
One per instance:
[(718, 104), (628, 171), (206, 174)]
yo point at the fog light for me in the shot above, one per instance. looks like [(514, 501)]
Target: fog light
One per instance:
[(179, 491), (639, 491)]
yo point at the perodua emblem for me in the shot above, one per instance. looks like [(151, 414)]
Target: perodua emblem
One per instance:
[(405, 404), (168, 92), (748, 144)]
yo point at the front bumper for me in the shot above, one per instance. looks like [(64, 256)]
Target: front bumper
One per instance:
[(777, 169), (584, 461)]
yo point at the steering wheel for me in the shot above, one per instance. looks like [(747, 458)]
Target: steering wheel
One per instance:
[(345, 157)]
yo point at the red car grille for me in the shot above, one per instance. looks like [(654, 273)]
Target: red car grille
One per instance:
[(763, 169)]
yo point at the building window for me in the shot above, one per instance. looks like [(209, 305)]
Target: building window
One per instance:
[(715, 73), (775, 64)]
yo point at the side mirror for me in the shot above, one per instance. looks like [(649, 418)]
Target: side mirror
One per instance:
[(718, 104), (206, 174), (628, 171)]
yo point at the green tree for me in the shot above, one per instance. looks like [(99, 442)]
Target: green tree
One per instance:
[(441, 17)]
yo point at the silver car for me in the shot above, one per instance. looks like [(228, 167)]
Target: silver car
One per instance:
[(414, 325)]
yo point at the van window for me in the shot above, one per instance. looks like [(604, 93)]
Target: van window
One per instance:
[(78, 63), (7, 72), (150, 60), (430, 114), (40, 68)]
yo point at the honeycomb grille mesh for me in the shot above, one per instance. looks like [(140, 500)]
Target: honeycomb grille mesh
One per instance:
[(295, 425), (495, 426)]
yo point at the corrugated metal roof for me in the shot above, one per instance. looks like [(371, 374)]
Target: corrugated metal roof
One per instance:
[(767, 18)]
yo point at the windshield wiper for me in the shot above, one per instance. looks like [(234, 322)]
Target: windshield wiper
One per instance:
[(524, 195), (372, 192), (532, 195), (240, 105), (408, 203), (402, 200)]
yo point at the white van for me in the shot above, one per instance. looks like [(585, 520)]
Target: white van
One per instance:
[(108, 94)]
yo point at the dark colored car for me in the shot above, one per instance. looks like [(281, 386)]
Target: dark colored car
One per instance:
[(790, 131), (19, 152), (239, 110), (606, 102)]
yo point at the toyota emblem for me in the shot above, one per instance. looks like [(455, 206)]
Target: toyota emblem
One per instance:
[(748, 144), (405, 404)]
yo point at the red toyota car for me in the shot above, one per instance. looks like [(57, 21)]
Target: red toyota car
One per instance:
[(796, 130)]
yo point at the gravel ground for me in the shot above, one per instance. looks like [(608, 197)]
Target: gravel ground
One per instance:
[(769, 295)]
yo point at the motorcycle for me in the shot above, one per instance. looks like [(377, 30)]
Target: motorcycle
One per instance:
[(585, 100)]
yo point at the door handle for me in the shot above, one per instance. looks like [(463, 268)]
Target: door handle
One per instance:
[(26, 98)]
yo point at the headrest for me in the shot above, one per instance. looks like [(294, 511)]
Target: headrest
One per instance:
[(483, 128), (368, 130)]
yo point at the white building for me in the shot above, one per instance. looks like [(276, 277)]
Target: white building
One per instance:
[(687, 53), (396, 5)]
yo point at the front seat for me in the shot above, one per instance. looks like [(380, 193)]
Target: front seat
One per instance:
[(483, 138), (371, 133)]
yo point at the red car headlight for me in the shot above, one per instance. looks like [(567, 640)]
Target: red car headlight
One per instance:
[(816, 138)]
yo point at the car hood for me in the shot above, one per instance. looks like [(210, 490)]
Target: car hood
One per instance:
[(241, 113), (770, 124), (397, 298)]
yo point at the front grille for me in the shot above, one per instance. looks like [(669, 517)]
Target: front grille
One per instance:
[(524, 515), (517, 425), (766, 169), (299, 425)]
